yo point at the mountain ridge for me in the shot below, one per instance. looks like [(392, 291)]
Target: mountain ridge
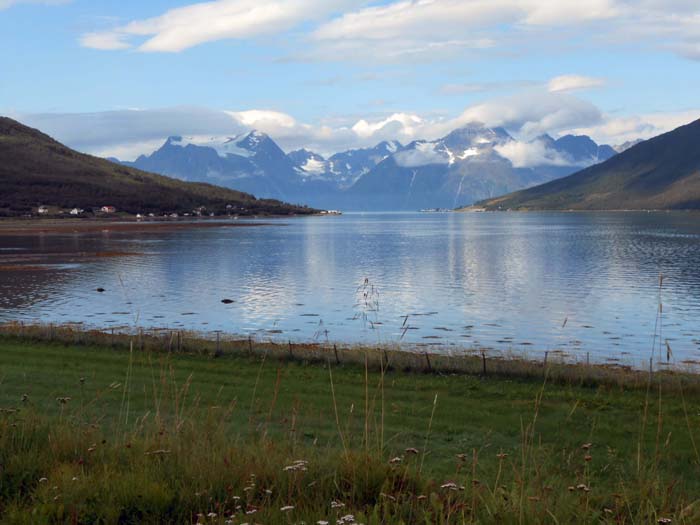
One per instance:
[(656, 174), (468, 164)]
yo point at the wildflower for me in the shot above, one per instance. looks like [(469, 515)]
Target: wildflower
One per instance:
[(75, 479), (63, 400), (533, 498), (43, 480), (321, 522), (586, 446), (211, 515), (298, 466), (160, 452), (665, 520), (450, 485), (25, 398), (287, 508), (348, 518), (583, 487), (337, 505), (268, 492), (462, 457), (395, 461), (587, 457), (501, 456), (412, 450), (422, 497)]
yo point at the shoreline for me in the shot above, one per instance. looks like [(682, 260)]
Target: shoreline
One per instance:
[(14, 227), (401, 358)]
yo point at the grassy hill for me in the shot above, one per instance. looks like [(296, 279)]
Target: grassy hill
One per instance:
[(662, 173), (37, 170)]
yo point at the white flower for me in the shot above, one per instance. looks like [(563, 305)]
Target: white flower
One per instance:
[(287, 508)]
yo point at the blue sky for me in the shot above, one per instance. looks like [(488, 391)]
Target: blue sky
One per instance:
[(117, 77)]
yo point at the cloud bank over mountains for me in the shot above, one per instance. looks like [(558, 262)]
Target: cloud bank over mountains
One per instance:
[(128, 133)]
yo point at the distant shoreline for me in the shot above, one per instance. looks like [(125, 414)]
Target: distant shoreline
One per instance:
[(13, 226), (479, 209)]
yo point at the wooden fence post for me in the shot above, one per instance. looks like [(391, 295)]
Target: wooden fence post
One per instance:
[(218, 344)]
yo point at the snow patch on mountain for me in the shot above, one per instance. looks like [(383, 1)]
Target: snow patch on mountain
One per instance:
[(242, 145)]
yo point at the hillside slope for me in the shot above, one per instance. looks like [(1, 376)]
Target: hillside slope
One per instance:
[(37, 170), (662, 173)]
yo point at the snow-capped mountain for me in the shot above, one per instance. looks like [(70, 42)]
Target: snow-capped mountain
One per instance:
[(471, 163), (344, 168), (468, 165), (252, 162), (307, 163)]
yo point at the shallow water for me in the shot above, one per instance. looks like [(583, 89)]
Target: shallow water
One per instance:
[(583, 283)]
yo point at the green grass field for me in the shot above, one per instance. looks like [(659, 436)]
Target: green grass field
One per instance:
[(157, 437)]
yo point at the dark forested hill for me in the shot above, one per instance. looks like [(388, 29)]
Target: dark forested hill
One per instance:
[(36, 170)]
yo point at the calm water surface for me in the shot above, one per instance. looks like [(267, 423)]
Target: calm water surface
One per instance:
[(525, 283)]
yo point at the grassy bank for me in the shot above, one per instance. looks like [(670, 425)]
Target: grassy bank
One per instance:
[(94, 434)]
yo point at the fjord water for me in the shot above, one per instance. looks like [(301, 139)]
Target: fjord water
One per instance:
[(583, 283)]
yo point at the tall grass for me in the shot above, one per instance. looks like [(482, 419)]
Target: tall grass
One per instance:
[(180, 459)]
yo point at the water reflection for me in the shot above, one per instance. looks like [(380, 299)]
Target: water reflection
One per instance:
[(584, 283)]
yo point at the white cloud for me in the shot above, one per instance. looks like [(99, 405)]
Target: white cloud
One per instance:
[(185, 27), (128, 133), (108, 41), (399, 126), (423, 154), (109, 132), (406, 26), (403, 30), (534, 113), (619, 129), (573, 83), (528, 154), (264, 119), (5, 4)]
